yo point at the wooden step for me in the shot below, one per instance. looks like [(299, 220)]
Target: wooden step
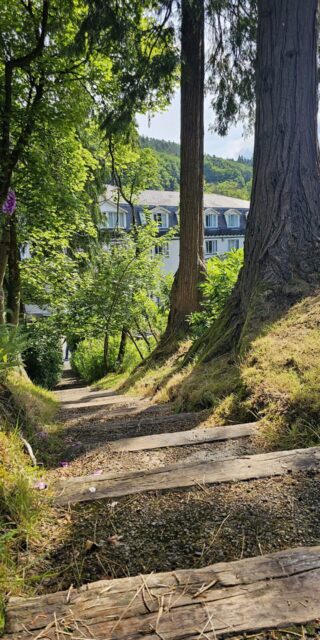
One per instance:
[(250, 595), (182, 438), (110, 485)]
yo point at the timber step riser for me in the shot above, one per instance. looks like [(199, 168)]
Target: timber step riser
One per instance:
[(251, 467), (224, 599)]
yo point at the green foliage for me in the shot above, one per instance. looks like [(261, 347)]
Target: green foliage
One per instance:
[(231, 65), (11, 345), (144, 60), (43, 354), (22, 507), (221, 276), (19, 511), (229, 177), (88, 359), (115, 291), (132, 168), (231, 188)]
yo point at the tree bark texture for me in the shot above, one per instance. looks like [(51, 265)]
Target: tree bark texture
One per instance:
[(282, 245), (122, 347), (185, 293)]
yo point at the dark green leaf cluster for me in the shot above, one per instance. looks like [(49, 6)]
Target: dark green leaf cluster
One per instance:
[(221, 277), (43, 354), (231, 64)]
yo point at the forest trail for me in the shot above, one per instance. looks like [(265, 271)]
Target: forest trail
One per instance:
[(96, 421), (182, 558)]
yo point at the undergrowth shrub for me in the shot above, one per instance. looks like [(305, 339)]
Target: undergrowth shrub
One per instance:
[(43, 354), (88, 358), (221, 275), (20, 510), (11, 346)]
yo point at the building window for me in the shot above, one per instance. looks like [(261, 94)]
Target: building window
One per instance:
[(143, 218), (233, 219), (116, 220), (211, 247), (162, 250), (161, 218), (233, 244), (211, 221)]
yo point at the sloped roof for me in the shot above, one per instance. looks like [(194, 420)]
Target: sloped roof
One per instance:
[(155, 198)]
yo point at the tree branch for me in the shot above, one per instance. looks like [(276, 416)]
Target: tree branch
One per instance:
[(23, 61)]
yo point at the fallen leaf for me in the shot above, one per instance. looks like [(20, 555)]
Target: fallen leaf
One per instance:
[(115, 540), (91, 546)]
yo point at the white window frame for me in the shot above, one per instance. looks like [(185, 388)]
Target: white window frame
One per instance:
[(214, 244), (162, 250), (118, 219), (229, 215), (161, 217), (232, 242), (211, 213)]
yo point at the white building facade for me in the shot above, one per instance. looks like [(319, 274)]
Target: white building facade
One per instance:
[(224, 221)]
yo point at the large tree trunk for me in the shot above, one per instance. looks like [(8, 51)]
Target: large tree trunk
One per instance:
[(282, 246), (185, 292)]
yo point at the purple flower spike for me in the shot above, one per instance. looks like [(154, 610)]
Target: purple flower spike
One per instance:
[(9, 206), (63, 463)]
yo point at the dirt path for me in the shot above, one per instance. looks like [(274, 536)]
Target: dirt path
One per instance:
[(93, 419), (162, 531)]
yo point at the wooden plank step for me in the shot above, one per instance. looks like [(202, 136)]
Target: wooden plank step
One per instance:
[(250, 595), (111, 485), (182, 438)]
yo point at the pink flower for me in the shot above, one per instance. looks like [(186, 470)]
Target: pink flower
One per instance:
[(63, 463), (40, 485), (9, 206)]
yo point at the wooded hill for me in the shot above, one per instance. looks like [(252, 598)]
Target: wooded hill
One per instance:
[(228, 177)]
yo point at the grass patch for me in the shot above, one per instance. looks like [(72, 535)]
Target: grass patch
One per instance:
[(35, 403), (277, 381), (112, 381), (22, 507)]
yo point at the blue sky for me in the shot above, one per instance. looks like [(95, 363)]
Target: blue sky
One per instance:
[(166, 126)]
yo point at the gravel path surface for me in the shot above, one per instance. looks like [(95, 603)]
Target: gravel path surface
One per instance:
[(173, 529)]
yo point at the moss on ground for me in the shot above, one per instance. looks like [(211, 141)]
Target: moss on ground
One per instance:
[(277, 381)]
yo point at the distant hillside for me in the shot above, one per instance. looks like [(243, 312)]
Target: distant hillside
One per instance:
[(228, 177)]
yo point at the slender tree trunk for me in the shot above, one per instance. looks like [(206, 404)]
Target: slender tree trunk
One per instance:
[(4, 253), (14, 284), (143, 335), (185, 293), (152, 331), (135, 344), (122, 346), (282, 246), (106, 351)]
